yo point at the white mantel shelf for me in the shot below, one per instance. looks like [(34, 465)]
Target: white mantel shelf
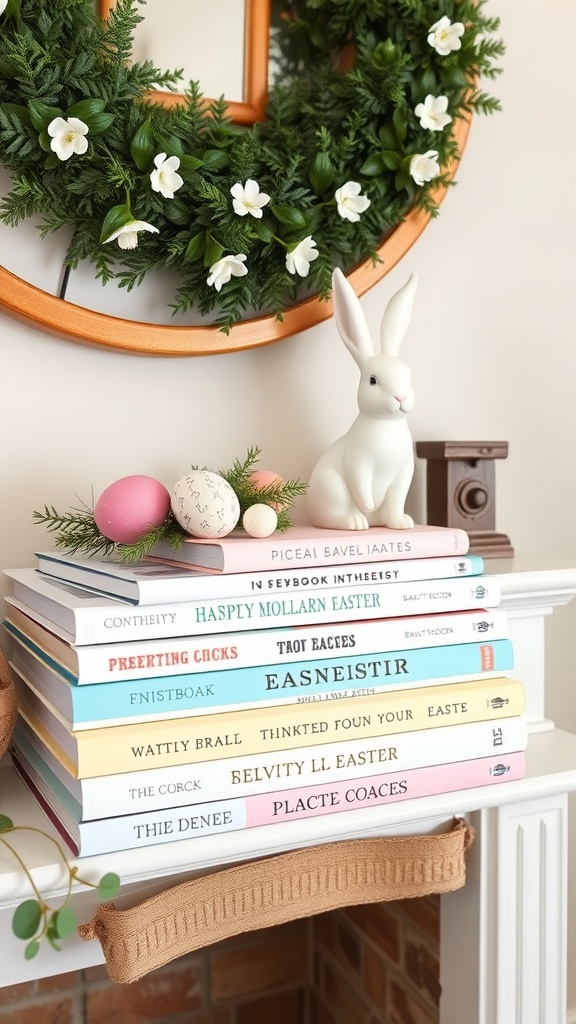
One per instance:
[(503, 936)]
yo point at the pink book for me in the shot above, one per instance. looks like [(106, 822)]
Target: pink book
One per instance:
[(88, 838), (305, 546), (287, 805)]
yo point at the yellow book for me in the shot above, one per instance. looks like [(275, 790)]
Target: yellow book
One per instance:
[(113, 750), (124, 748)]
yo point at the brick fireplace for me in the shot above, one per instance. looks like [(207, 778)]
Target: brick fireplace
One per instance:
[(373, 964)]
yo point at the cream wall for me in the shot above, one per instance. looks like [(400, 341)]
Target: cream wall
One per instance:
[(491, 345)]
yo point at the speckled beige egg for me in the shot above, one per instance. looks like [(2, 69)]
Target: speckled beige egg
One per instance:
[(204, 504)]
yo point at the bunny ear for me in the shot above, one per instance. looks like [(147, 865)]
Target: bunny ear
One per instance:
[(350, 319), (397, 317)]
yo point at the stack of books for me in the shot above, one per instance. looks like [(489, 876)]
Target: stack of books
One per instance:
[(259, 681)]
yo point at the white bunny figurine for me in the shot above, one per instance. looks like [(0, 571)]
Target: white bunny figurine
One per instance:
[(362, 480)]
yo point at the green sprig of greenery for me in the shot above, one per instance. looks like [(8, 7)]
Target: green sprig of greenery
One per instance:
[(34, 919), (76, 530), (324, 127), (281, 496)]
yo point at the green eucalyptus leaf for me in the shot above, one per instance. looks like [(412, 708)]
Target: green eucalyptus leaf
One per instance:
[(391, 160), (213, 251), (142, 147), (373, 166), (291, 218), (31, 950), (109, 885), (86, 109), (453, 77), (388, 137), (402, 180), (6, 823), (322, 172), (428, 81), (400, 124), (169, 144), (115, 219), (100, 123), (176, 212), (64, 921), (262, 230), (188, 165), (41, 115), (195, 250), (26, 919), (51, 162), (214, 160), (44, 140)]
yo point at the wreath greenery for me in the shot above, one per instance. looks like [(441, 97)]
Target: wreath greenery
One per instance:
[(86, 146)]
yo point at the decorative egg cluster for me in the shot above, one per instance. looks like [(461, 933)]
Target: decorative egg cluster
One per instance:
[(203, 503)]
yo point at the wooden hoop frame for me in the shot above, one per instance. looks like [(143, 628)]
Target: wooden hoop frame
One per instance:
[(32, 305), (256, 46)]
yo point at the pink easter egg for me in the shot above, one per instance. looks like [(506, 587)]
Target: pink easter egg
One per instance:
[(266, 478), (130, 507)]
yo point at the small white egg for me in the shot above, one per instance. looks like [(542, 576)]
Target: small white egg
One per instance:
[(260, 520)]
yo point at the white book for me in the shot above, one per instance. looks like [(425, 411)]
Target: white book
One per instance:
[(157, 582), (147, 659), (81, 618), (154, 790)]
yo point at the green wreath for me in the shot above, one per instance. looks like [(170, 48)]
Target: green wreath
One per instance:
[(250, 218)]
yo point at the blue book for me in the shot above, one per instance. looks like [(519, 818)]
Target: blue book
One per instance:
[(183, 696)]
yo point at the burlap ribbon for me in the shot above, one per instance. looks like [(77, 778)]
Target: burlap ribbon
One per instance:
[(263, 893)]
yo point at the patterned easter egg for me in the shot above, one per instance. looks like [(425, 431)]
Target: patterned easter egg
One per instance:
[(260, 520), (130, 507), (204, 504)]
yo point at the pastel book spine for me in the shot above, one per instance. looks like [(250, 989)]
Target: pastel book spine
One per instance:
[(310, 546), (99, 620), (147, 700), (131, 747), (193, 821), (102, 663), (156, 789), (156, 582)]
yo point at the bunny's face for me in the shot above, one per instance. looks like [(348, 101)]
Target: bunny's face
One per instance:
[(385, 387)]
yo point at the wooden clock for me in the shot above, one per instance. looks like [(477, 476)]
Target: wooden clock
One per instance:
[(461, 491)]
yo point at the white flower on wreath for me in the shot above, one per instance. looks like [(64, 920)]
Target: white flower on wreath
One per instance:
[(127, 235), (350, 202), (229, 266), (3, 6), (432, 113), (444, 36), (68, 136), (164, 178), (299, 258), (248, 199), (424, 166)]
